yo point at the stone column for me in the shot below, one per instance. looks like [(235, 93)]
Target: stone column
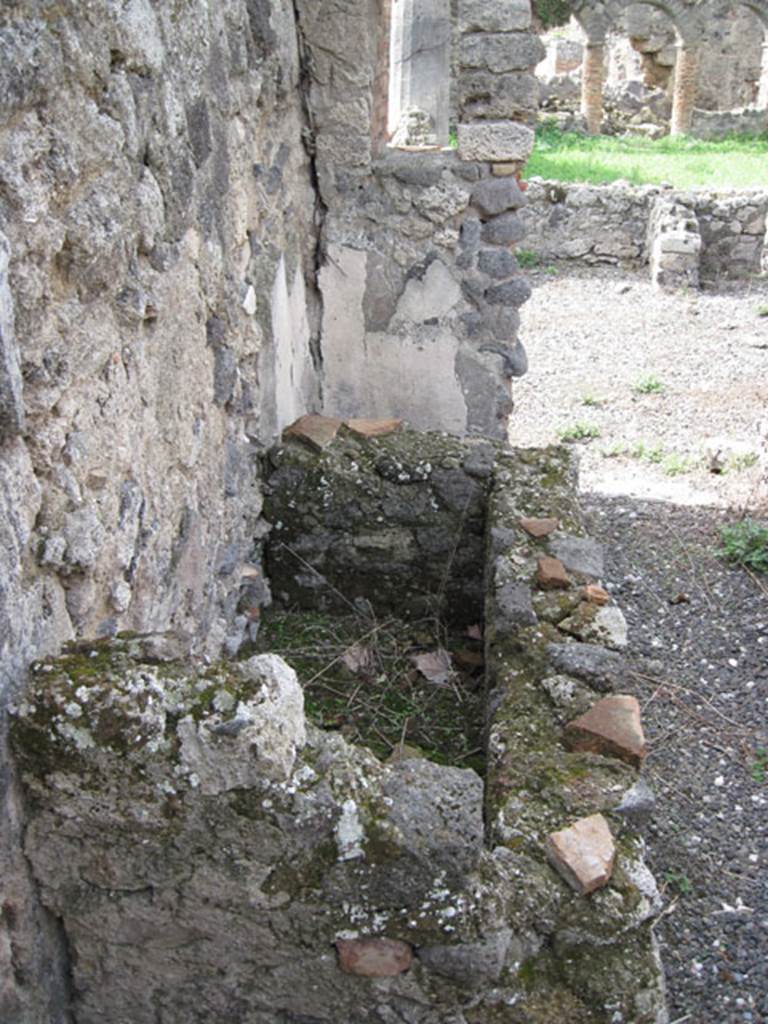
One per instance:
[(762, 92), (592, 86), (419, 70), (684, 97)]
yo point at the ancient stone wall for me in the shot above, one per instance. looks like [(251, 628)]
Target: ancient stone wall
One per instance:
[(211, 853), (610, 224), (156, 324), (419, 288)]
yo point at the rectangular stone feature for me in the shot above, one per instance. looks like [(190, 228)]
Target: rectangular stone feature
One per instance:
[(493, 16), (495, 140)]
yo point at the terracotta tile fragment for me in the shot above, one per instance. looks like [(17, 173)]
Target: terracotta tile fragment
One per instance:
[(373, 428), (374, 958), (551, 574), (316, 431), (583, 854), (539, 528), (611, 727), (596, 594)]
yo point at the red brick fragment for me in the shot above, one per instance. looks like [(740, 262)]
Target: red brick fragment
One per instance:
[(316, 431), (374, 958), (373, 428), (611, 727), (539, 528), (551, 574), (583, 854)]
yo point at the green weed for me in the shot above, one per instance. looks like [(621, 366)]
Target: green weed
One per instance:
[(592, 402), (760, 765), (762, 310), (527, 259), (675, 464), (580, 432), (648, 386), (679, 881), (745, 543)]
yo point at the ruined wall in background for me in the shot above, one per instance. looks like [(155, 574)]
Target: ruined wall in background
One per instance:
[(156, 319), (419, 282)]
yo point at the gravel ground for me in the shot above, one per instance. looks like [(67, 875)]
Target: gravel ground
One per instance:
[(595, 336), (698, 626)]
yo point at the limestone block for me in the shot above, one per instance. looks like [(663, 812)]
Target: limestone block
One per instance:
[(583, 854), (374, 958), (495, 140), (259, 739), (491, 16), (500, 52), (578, 554), (11, 402), (484, 95), (612, 727), (683, 242), (595, 624)]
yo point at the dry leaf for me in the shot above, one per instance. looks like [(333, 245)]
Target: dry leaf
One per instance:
[(358, 659), (435, 666), (474, 632)]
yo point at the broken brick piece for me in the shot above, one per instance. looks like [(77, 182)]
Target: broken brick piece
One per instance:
[(611, 727), (551, 574), (374, 958), (539, 528), (583, 854), (596, 594), (316, 431), (373, 428)]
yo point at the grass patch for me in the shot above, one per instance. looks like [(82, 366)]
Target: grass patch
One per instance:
[(736, 162), (745, 543), (359, 677), (760, 765), (671, 463), (648, 386), (580, 432), (762, 310)]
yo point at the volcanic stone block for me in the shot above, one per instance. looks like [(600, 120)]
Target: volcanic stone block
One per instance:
[(495, 195), (506, 229)]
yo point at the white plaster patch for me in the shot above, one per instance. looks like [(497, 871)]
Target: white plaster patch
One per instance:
[(349, 832)]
